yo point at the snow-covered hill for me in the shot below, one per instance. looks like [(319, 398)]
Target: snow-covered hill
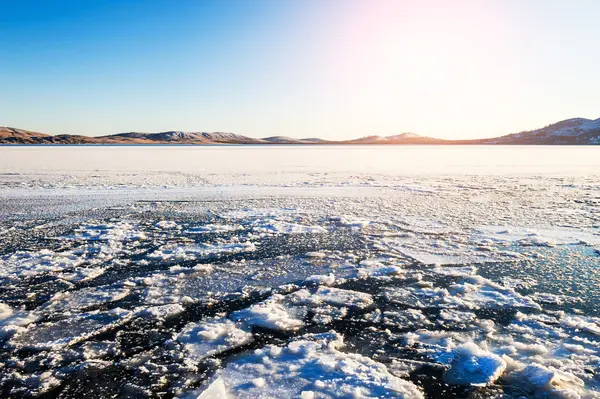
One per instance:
[(403, 138), (577, 131), (569, 131)]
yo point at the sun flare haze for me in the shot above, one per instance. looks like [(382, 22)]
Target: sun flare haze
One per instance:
[(335, 69)]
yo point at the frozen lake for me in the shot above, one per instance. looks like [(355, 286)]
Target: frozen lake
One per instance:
[(297, 271), (389, 159)]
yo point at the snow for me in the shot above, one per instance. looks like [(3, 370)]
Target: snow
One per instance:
[(575, 127), (340, 297), (213, 336), (377, 269), (272, 313), (311, 366), (320, 279)]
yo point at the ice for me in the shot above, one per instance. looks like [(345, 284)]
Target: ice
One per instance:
[(456, 271), (65, 332), (5, 311), (349, 221), (327, 314), (214, 228), (116, 233), (161, 312), (418, 298), (545, 297), (476, 292), (95, 245), (192, 252), (377, 269), (339, 297), (167, 224), (212, 336), (216, 390), (544, 382), (273, 313), (13, 320), (287, 312), (471, 365), (81, 274), (172, 290), (316, 254), (29, 264), (320, 279), (455, 318), (437, 259), (537, 236), (409, 318), (588, 324), (310, 367), (273, 226), (73, 301)]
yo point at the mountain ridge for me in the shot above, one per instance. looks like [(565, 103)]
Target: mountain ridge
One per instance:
[(574, 131)]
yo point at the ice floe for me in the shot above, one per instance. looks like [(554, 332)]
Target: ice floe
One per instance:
[(210, 337), (274, 313), (64, 332), (471, 365), (309, 367)]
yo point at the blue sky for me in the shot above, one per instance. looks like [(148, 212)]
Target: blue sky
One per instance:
[(305, 68)]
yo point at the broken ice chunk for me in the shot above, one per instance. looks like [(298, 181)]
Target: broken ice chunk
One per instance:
[(272, 313), (212, 336), (472, 365), (340, 297), (311, 366)]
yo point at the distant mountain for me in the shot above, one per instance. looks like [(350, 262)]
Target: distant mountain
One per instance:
[(404, 138), (179, 137), (571, 131), (281, 140), (291, 140), (577, 131), (313, 140), (10, 134)]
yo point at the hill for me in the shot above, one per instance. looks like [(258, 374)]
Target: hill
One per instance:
[(579, 131), (575, 131)]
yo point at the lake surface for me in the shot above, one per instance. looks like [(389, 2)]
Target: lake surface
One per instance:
[(390, 159), (291, 271)]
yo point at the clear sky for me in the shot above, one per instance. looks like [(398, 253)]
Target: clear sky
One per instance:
[(302, 68)]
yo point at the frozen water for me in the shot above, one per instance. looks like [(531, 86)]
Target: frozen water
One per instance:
[(311, 367), (213, 336), (274, 313), (305, 282), (470, 365)]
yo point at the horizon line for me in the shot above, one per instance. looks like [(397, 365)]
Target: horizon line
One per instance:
[(295, 138)]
